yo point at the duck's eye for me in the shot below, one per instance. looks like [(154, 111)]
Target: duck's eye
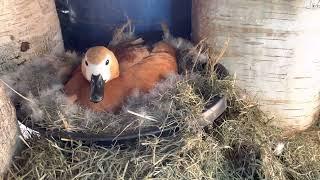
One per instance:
[(107, 62), (86, 63)]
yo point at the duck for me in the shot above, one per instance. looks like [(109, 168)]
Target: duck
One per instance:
[(106, 77)]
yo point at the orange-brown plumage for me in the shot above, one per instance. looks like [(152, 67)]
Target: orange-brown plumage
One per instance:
[(97, 54), (139, 70)]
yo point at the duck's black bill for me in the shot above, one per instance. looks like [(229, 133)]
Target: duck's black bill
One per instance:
[(96, 88)]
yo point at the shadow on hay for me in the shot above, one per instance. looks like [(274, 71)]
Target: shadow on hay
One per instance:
[(245, 160)]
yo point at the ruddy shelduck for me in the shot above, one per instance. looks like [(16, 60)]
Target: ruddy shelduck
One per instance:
[(102, 82)]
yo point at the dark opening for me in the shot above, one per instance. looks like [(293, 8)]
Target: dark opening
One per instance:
[(87, 23)]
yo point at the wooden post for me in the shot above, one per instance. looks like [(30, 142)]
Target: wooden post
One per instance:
[(28, 28), (8, 130), (273, 51)]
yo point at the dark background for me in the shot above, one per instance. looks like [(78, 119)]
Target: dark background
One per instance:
[(86, 23)]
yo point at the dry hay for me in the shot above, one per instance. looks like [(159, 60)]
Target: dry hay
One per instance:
[(239, 145)]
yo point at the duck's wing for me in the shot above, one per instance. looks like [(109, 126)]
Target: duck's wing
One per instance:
[(142, 77), (130, 53), (159, 64), (163, 47)]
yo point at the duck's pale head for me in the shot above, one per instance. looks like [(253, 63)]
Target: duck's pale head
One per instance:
[(99, 66)]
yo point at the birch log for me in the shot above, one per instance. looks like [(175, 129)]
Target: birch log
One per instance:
[(28, 28), (274, 51), (8, 131)]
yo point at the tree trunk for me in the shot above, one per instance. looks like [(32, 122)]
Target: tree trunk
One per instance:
[(8, 131), (28, 28), (273, 50)]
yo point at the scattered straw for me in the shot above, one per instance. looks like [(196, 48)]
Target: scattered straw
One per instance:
[(19, 94)]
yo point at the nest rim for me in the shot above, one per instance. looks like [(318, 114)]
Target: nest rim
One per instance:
[(217, 109)]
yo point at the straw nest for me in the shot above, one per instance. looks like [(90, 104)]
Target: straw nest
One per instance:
[(39, 99), (239, 145)]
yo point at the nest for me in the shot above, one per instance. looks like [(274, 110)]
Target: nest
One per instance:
[(40, 101)]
